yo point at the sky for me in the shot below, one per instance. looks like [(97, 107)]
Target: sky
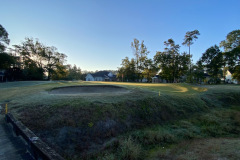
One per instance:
[(97, 34)]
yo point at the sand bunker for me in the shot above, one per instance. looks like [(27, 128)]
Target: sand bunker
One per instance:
[(91, 89)]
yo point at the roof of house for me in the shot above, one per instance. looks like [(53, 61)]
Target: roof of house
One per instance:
[(156, 76), (100, 74)]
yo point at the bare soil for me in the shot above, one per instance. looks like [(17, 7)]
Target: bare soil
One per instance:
[(89, 89)]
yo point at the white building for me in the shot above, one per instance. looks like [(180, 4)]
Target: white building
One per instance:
[(101, 76)]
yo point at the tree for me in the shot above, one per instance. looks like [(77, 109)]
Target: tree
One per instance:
[(149, 69), (163, 62), (36, 55), (74, 73), (32, 53), (128, 70), (182, 62), (232, 41), (59, 72), (188, 41), (53, 60), (140, 53), (212, 59), (236, 74), (198, 72), (171, 63), (6, 61), (4, 40), (31, 71), (232, 52)]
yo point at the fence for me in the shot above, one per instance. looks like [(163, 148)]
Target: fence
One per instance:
[(38, 149)]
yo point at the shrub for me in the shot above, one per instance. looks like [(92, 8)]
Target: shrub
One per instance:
[(129, 149)]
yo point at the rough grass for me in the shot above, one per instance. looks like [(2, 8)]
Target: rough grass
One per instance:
[(197, 137), (136, 125), (205, 148)]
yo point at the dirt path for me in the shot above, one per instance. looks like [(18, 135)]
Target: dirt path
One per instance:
[(11, 147)]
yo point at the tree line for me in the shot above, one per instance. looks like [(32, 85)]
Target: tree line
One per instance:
[(173, 66), (32, 60)]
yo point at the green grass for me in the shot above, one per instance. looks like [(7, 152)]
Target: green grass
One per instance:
[(19, 94), (162, 87), (36, 92), (148, 122)]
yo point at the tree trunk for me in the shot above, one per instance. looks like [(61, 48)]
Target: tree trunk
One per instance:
[(190, 71), (189, 60)]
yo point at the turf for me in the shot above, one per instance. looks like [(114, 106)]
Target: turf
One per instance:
[(135, 125)]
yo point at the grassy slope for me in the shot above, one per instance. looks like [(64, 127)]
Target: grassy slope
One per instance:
[(154, 116)]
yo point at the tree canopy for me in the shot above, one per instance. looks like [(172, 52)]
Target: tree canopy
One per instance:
[(188, 41), (212, 59), (128, 70), (232, 52), (189, 37), (42, 58), (4, 40), (6, 61), (32, 60), (232, 41), (170, 62)]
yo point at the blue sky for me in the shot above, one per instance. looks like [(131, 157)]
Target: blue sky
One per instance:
[(97, 34)]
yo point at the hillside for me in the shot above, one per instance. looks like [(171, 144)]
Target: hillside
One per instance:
[(149, 121)]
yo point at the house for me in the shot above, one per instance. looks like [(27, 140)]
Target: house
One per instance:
[(206, 78), (158, 79), (101, 76), (229, 78), (144, 80)]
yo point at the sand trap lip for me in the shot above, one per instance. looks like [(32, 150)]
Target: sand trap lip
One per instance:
[(89, 89)]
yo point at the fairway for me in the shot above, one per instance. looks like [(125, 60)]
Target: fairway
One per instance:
[(163, 87), (23, 93)]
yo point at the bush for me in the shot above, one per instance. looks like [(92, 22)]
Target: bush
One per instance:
[(129, 149)]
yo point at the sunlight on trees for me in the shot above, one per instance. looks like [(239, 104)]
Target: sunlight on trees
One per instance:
[(212, 59), (173, 65), (232, 53)]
